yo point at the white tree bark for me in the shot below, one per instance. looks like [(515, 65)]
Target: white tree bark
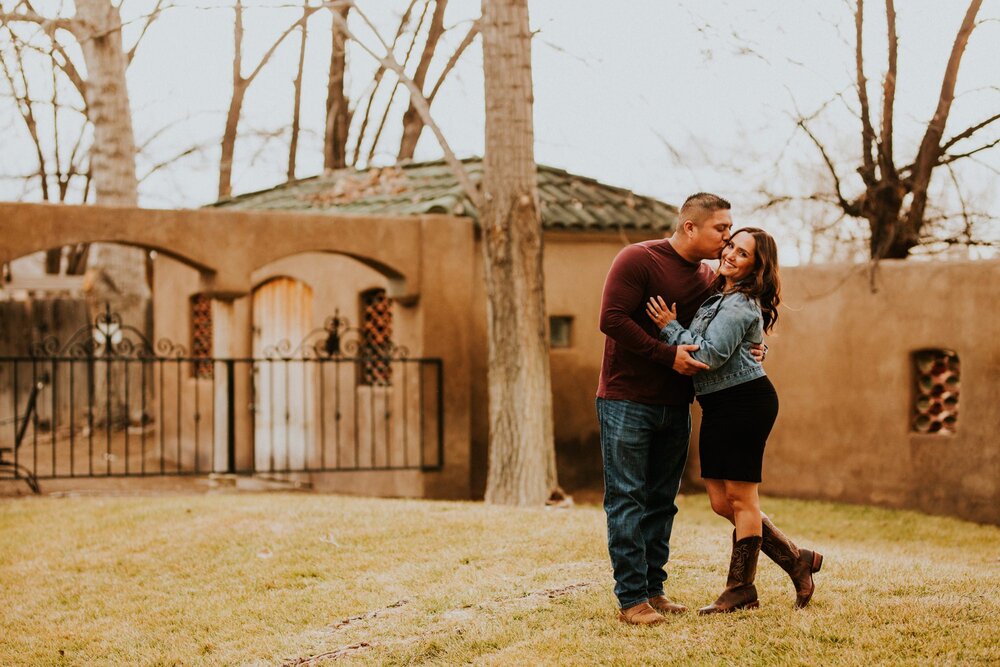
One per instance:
[(117, 273)]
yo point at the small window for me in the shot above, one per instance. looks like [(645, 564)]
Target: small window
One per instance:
[(201, 336), (376, 338), (561, 330), (936, 385)]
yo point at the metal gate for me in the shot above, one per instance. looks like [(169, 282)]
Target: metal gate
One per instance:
[(107, 403)]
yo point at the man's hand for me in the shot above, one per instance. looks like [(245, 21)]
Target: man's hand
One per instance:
[(684, 363), (759, 352)]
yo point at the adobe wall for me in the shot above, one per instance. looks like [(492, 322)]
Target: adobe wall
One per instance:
[(842, 366), (425, 261)]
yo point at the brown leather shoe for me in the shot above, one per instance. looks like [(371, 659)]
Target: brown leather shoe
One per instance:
[(640, 614), (664, 605)]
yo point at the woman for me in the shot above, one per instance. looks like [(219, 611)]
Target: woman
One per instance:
[(739, 406)]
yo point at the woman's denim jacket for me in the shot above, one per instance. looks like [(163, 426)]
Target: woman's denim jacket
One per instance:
[(725, 327)]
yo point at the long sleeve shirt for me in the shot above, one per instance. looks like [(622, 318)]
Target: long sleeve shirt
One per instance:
[(637, 366)]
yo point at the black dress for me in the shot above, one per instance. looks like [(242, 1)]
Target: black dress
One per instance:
[(735, 424)]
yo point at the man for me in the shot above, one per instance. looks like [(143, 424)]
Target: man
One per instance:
[(643, 399)]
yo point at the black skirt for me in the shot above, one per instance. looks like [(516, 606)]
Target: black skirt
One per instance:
[(735, 423)]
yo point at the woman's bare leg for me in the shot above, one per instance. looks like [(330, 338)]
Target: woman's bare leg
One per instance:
[(717, 497), (742, 497)]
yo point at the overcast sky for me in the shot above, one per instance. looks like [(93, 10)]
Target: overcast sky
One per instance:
[(661, 97)]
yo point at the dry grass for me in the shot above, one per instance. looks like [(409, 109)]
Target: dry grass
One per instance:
[(308, 579)]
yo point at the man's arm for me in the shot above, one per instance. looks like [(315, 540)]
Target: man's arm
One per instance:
[(624, 292)]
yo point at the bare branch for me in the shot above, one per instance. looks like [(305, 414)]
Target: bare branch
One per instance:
[(293, 144), (152, 16), (886, 163), (867, 130), (389, 62), (412, 125), (930, 146), (377, 81), (841, 201), (24, 106), (301, 21), (395, 87), (961, 200), (949, 158), (163, 129), (169, 161), (47, 23), (986, 165), (65, 64), (450, 65), (965, 134)]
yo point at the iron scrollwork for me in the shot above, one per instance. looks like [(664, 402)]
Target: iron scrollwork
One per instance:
[(109, 337), (336, 339)]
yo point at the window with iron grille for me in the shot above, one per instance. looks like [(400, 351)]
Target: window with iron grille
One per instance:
[(201, 336), (376, 338), (936, 383)]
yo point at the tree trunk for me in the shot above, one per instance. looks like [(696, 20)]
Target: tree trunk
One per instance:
[(413, 124), (522, 455), (338, 118), (235, 107), (889, 239), (293, 144), (118, 273)]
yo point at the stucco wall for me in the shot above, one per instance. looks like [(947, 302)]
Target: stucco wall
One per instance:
[(427, 320), (841, 362)]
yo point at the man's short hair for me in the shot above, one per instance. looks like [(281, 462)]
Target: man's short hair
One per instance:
[(699, 206)]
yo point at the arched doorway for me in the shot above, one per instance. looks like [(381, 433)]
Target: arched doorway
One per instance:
[(283, 393)]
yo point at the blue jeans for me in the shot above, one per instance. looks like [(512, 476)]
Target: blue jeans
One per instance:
[(644, 449)]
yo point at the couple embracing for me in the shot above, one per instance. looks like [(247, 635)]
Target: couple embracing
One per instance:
[(667, 317)]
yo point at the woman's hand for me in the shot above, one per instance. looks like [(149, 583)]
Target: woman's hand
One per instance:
[(659, 313)]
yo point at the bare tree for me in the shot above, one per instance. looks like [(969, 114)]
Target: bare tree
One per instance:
[(373, 119), (110, 172), (62, 162), (522, 454), (411, 118), (118, 274), (522, 468), (293, 143), (241, 84), (895, 196), (338, 112), (377, 112)]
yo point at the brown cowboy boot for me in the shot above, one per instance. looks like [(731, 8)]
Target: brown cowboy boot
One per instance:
[(664, 605), (740, 593), (800, 564), (640, 614)]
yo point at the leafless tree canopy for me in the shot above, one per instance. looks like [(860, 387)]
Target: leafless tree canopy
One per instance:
[(895, 199)]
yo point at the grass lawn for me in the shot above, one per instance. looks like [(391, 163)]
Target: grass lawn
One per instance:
[(308, 579)]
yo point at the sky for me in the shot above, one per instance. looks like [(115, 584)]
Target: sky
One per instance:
[(662, 97)]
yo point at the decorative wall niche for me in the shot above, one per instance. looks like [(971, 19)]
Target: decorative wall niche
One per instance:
[(937, 375)]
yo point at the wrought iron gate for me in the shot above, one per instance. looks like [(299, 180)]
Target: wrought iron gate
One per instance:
[(107, 403)]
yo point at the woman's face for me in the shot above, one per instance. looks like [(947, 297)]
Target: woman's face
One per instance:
[(738, 257)]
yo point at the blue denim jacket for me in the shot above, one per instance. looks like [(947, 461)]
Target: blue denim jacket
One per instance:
[(725, 327)]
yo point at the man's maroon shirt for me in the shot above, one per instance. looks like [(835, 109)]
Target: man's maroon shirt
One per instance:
[(637, 366)]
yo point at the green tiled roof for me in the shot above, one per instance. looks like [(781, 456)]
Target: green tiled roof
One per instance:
[(567, 201)]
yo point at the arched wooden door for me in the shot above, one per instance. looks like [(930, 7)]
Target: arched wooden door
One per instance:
[(283, 395)]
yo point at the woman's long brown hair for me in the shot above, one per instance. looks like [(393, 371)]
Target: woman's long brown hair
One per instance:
[(764, 284)]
